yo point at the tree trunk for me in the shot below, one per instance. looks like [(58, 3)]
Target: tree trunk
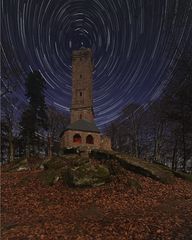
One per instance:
[(27, 148), (11, 149), (184, 146), (173, 163), (184, 153), (11, 146), (158, 140), (135, 137), (49, 141)]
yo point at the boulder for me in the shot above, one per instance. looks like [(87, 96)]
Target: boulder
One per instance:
[(155, 171), (87, 175), (21, 165), (22, 168), (41, 167), (50, 177), (56, 179)]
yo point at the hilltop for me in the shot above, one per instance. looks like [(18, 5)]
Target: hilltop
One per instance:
[(139, 200)]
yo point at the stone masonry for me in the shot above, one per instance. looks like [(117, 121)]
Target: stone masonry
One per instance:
[(82, 130)]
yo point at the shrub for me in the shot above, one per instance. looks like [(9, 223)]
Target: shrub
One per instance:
[(68, 151), (101, 155)]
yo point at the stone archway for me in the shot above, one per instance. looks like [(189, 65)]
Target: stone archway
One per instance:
[(77, 138), (89, 139)]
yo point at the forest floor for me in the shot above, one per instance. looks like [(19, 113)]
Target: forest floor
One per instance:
[(118, 210)]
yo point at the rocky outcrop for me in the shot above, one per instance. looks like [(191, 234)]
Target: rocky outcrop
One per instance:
[(88, 175), (155, 171), (75, 172)]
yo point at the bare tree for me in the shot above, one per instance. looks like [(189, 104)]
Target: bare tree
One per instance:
[(10, 70), (132, 116), (9, 120), (125, 132), (179, 105)]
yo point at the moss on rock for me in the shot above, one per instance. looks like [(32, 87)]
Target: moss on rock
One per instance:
[(133, 183), (49, 177), (87, 175), (75, 171), (19, 165), (101, 154), (182, 175), (154, 171)]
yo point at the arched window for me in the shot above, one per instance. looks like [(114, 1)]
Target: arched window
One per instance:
[(89, 139), (77, 138)]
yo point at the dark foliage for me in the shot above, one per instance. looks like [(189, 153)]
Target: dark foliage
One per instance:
[(34, 118)]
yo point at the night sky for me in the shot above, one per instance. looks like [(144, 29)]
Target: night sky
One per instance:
[(130, 40)]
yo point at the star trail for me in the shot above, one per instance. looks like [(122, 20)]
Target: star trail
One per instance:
[(134, 43)]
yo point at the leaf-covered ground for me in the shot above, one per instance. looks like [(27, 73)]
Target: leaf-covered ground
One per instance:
[(122, 209)]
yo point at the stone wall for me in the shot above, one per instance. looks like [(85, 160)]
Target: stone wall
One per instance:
[(100, 142), (105, 143), (67, 139), (80, 113)]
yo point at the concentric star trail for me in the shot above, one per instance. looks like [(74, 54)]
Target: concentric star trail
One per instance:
[(130, 40)]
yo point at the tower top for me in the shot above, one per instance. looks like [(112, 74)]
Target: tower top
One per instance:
[(82, 76), (82, 52), (82, 55)]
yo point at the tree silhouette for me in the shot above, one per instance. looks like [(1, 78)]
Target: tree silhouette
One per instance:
[(34, 120)]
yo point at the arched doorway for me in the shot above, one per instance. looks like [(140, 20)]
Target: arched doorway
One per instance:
[(77, 138), (89, 139)]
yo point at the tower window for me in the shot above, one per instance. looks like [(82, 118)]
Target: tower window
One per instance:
[(80, 75), (89, 139), (80, 93), (80, 116), (77, 138)]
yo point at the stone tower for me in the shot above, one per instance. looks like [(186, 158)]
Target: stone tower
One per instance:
[(82, 77), (82, 130)]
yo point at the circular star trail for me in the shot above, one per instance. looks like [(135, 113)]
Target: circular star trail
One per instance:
[(134, 42)]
